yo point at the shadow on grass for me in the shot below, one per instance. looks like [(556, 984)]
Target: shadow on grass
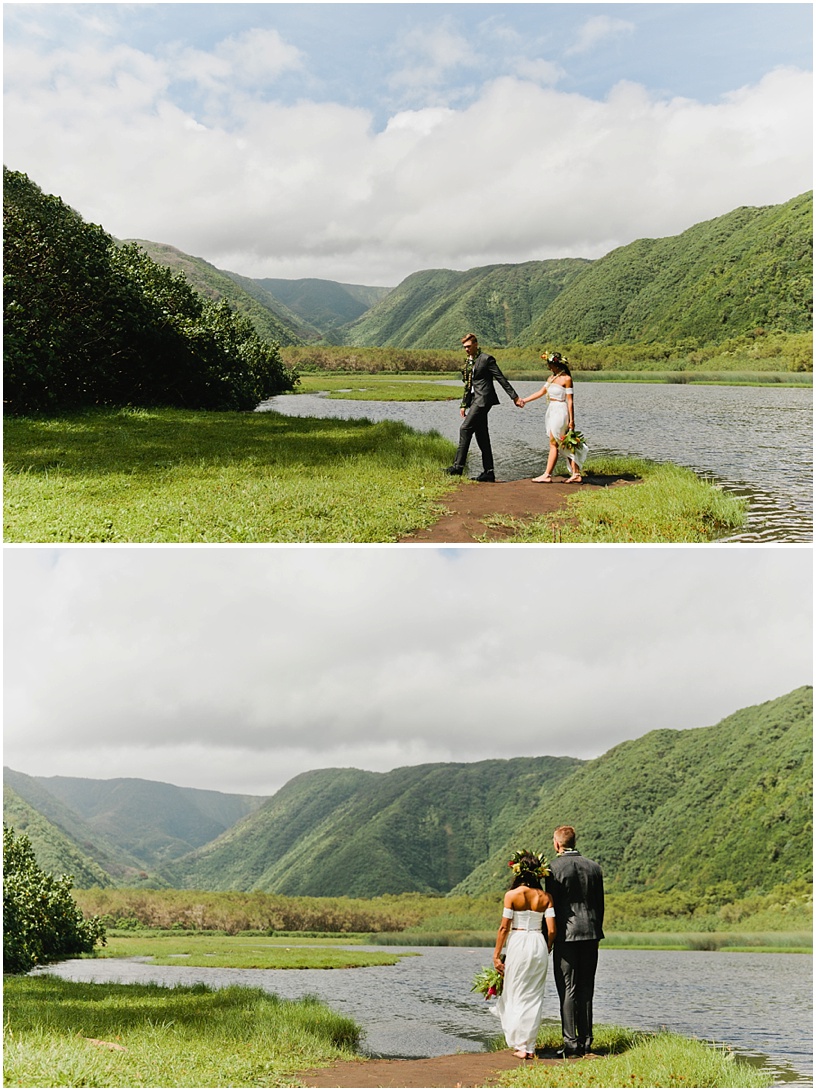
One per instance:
[(143, 442)]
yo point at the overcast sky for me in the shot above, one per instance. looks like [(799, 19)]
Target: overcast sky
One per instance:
[(235, 669), (363, 142)]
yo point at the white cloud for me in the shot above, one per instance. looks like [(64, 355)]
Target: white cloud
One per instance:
[(598, 29), (223, 668), (263, 188)]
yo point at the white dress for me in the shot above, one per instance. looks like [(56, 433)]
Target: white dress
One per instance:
[(521, 1004), (556, 420)]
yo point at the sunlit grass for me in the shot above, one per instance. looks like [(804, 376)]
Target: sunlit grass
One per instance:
[(68, 1034), (181, 476), (670, 504), (634, 1059)]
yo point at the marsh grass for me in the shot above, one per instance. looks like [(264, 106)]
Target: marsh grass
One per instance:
[(638, 1059), (240, 952), (383, 387), (669, 504), (150, 1036), (171, 475)]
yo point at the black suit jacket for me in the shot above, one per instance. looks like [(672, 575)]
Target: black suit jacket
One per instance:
[(575, 884), (485, 371)]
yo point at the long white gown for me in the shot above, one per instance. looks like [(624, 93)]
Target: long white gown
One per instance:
[(521, 1004), (556, 420)]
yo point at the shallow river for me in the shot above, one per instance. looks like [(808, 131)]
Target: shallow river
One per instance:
[(756, 441), (758, 1004)]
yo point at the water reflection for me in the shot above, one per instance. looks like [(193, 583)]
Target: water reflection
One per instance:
[(755, 441), (758, 1004)]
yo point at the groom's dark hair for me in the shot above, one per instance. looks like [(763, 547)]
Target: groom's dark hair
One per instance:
[(565, 836)]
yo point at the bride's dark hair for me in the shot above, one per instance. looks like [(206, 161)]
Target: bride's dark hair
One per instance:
[(529, 867)]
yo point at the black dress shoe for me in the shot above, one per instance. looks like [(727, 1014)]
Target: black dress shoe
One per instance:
[(565, 1053), (488, 475), (454, 471)]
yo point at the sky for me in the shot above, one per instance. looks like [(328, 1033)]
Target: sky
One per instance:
[(364, 142), (236, 669)]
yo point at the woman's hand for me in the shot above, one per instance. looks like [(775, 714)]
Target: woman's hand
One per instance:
[(498, 964)]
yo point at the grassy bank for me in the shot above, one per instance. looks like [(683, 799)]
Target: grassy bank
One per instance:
[(636, 1059), (67, 1034), (239, 952), (669, 504), (387, 387), (170, 475)]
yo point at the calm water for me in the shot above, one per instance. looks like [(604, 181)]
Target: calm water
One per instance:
[(758, 1004), (756, 442)]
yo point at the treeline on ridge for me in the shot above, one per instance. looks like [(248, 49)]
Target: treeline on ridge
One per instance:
[(88, 322)]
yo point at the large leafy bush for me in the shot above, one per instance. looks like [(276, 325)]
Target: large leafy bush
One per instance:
[(88, 322), (41, 921)]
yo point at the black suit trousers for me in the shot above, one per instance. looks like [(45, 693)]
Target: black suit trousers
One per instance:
[(574, 966), (475, 424)]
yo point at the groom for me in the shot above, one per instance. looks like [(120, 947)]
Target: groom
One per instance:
[(479, 397), (575, 884)]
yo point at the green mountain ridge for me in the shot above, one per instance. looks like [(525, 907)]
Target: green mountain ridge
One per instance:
[(418, 828), (749, 269), (692, 808), (689, 809), (139, 823)]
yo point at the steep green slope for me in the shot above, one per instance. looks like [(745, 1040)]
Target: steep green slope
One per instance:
[(271, 319), (420, 828), (751, 268), (323, 304), (728, 803), (435, 308), (149, 821), (112, 859), (56, 853)]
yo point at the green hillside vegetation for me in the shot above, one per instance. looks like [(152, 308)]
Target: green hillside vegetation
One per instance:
[(323, 304), (146, 820), (88, 322), (748, 270), (434, 308), (420, 828), (271, 319), (56, 853), (717, 814), (725, 805), (63, 836)]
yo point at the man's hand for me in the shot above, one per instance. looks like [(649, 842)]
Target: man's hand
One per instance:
[(462, 411), (520, 402)]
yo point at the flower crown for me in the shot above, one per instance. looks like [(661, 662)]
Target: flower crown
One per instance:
[(539, 869)]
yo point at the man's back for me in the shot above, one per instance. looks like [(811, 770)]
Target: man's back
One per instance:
[(576, 886)]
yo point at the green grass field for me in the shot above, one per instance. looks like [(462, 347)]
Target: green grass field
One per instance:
[(170, 475)]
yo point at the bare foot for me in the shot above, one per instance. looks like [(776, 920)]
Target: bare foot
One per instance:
[(520, 1053), (544, 479), (576, 479)]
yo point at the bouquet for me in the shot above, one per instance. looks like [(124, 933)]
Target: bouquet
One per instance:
[(488, 982), (571, 441)]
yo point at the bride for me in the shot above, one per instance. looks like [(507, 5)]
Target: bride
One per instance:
[(527, 908), (560, 416)]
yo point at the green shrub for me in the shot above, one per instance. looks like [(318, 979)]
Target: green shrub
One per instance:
[(41, 921)]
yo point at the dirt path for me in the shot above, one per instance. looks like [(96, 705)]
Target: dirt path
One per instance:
[(457, 1070), (476, 513)]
